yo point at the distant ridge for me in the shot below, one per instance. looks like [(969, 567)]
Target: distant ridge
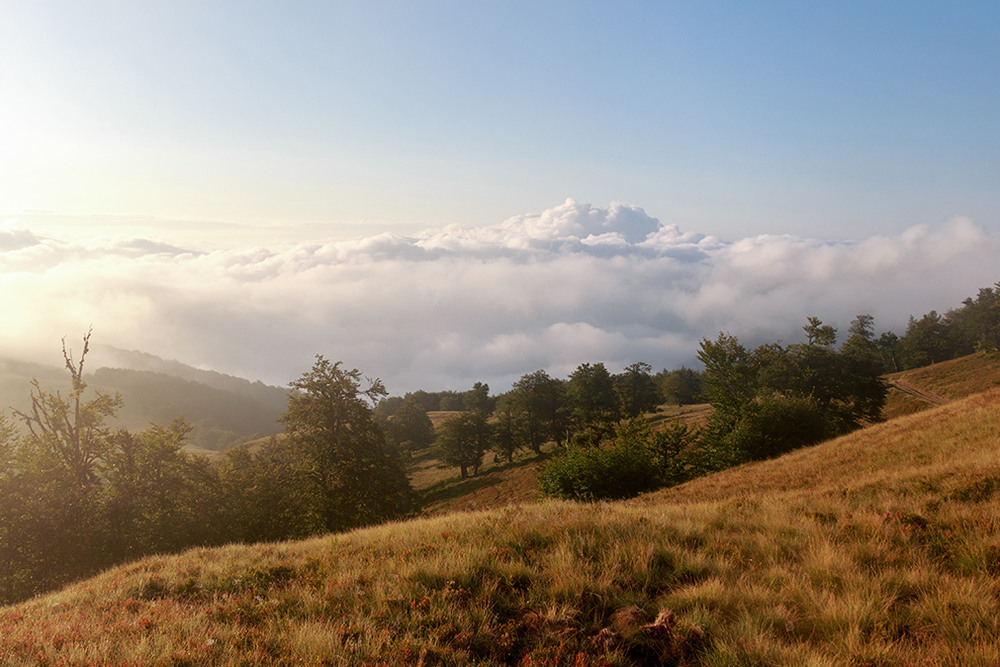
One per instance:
[(223, 409)]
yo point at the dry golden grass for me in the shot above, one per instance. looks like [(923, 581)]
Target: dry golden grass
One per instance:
[(952, 379), (880, 548)]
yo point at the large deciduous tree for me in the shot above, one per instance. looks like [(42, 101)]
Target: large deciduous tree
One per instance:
[(539, 398), (356, 479), (464, 440), (637, 390)]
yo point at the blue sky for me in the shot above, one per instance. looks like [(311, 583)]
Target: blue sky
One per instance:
[(728, 118), (445, 192)]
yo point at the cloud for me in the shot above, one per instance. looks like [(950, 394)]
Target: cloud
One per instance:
[(450, 306)]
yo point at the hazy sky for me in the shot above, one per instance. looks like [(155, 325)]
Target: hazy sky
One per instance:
[(411, 186)]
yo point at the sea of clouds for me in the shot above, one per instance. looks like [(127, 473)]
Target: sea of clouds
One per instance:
[(446, 307)]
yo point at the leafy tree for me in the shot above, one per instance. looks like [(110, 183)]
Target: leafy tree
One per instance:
[(509, 434), (812, 390), (888, 350), (478, 399), (158, 497), (818, 333), (410, 428), (637, 391), (976, 325), (451, 401), (590, 396), (540, 400), (464, 440), (681, 386), (329, 423), (70, 432), (268, 494), (730, 376), (926, 341)]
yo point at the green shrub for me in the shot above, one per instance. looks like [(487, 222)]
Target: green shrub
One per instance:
[(638, 459), (620, 471), (778, 424)]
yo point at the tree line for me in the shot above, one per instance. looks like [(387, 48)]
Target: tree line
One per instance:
[(774, 398), (78, 496), (538, 409)]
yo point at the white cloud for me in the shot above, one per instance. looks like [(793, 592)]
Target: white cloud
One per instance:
[(450, 306)]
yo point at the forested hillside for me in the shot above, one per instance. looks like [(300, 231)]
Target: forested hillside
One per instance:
[(222, 410)]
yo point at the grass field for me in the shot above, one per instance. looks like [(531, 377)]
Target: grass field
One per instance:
[(952, 379), (880, 548)]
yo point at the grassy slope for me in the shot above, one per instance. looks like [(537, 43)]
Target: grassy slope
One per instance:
[(880, 548), (952, 379)]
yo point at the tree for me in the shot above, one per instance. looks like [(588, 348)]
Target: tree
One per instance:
[(775, 398), (730, 377), (637, 391), (357, 480), (681, 386), (464, 440), (540, 400), (818, 333), (590, 396), (157, 497), (70, 432), (478, 399), (976, 325), (508, 430), (926, 341), (410, 428)]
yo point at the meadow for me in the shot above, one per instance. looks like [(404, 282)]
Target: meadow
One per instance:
[(878, 548)]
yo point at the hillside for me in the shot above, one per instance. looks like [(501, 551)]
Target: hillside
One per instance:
[(224, 410), (940, 382), (879, 548)]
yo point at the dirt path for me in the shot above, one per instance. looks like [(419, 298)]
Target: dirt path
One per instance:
[(919, 394)]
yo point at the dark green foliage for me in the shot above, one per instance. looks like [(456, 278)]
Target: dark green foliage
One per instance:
[(540, 400), (681, 386), (77, 496), (637, 392), (509, 432), (464, 439), (410, 428), (818, 333), (267, 495), (934, 338), (329, 424), (976, 326), (590, 396), (777, 425), (773, 399), (638, 459), (927, 341), (599, 473), (478, 399)]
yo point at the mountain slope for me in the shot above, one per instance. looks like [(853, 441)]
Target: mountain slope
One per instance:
[(937, 383), (878, 548), (224, 410)]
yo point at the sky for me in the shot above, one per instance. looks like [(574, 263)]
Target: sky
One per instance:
[(439, 193)]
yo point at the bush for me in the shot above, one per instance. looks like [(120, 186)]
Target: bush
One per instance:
[(620, 471), (639, 459), (777, 425)]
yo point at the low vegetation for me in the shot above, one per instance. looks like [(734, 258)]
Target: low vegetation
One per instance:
[(876, 548)]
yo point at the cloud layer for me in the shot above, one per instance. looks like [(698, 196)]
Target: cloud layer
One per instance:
[(450, 306)]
